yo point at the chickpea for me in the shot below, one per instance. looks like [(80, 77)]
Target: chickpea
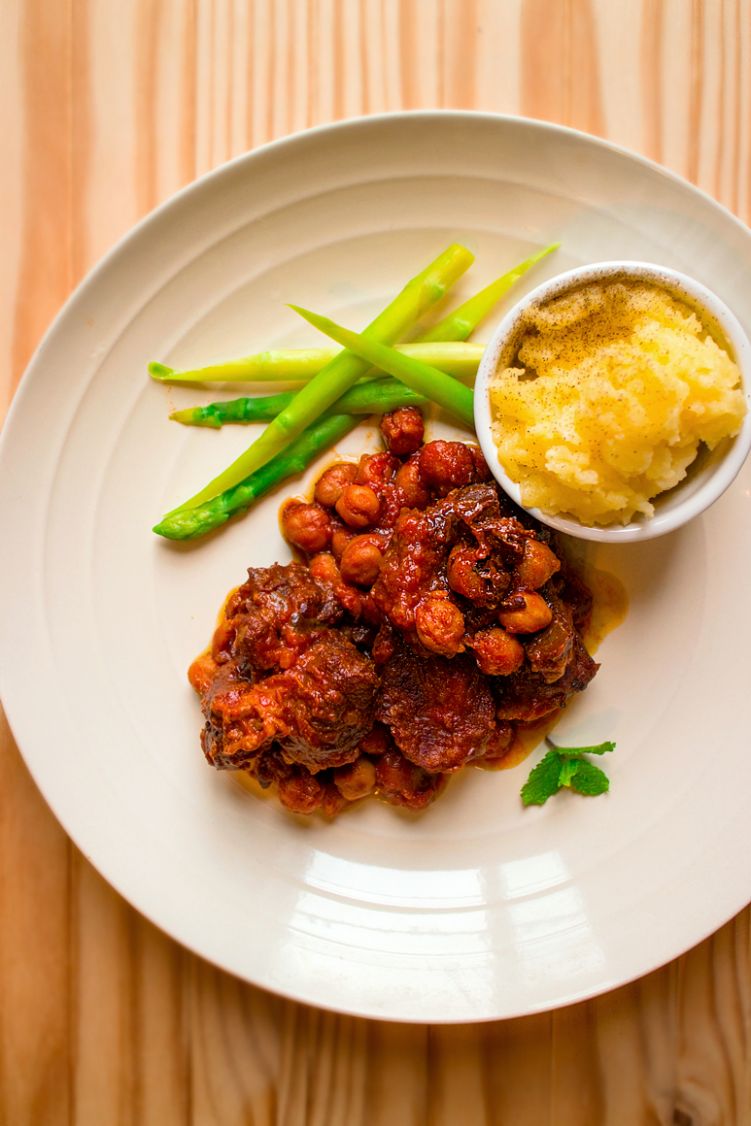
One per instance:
[(358, 506), (497, 653), (440, 626), (356, 780), (526, 613), (332, 802), (462, 574), (376, 470), (411, 484), (323, 568), (400, 782), (403, 430), (333, 481), (307, 526), (446, 466), (538, 564), (361, 561), (301, 792), (340, 537), (394, 774)]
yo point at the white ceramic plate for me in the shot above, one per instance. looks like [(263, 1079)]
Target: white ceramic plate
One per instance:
[(478, 908)]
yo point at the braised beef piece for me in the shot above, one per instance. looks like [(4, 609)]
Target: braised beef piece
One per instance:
[(441, 712), (528, 696), (362, 636), (223, 734), (400, 782), (550, 651), (275, 615), (480, 510), (270, 767), (282, 675), (317, 711), (500, 742), (329, 699)]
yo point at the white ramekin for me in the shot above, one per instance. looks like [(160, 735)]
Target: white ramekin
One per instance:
[(707, 477)]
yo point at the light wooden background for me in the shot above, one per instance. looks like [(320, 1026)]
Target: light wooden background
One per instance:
[(108, 106)]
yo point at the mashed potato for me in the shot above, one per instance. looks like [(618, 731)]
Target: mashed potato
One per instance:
[(613, 389)]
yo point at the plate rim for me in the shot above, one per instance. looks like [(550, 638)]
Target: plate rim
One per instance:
[(14, 710)]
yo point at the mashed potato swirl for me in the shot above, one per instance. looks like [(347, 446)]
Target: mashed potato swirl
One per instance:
[(613, 389)]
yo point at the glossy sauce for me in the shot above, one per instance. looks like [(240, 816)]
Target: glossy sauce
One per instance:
[(609, 604)]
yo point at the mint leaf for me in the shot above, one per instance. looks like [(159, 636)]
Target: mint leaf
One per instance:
[(569, 768), (577, 752), (589, 779), (566, 767), (543, 781)]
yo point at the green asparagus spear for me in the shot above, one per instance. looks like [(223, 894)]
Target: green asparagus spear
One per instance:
[(448, 393), (190, 523), (302, 364), (375, 397), (461, 322), (333, 380), (298, 365)]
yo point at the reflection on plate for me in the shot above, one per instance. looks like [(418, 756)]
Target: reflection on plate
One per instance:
[(478, 908)]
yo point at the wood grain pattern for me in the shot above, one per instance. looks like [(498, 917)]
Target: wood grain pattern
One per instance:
[(109, 108)]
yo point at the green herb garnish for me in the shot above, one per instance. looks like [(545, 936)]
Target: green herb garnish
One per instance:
[(566, 767)]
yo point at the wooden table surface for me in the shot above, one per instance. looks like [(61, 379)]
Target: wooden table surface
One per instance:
[(109, 106)]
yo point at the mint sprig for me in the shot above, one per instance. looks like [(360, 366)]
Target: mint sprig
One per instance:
[(566, 768)]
